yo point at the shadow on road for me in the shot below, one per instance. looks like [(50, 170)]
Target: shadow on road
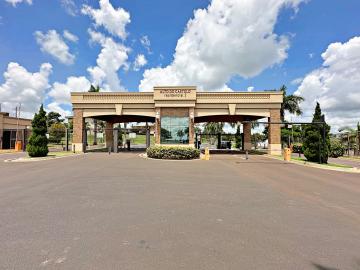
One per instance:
[(321, 267)]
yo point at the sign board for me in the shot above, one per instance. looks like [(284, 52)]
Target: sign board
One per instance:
[(174, 93)]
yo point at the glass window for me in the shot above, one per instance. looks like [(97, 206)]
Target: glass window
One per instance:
[(174, 130)]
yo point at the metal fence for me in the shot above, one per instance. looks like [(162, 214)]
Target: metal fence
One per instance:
[(99, 140)]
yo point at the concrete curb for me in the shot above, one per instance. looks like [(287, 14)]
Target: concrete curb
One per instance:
[(312, 165), (25, 160)]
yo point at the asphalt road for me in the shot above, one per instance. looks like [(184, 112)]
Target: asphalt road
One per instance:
[(119, 211)]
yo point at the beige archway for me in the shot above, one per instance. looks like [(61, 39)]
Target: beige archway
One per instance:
[(184, 101)]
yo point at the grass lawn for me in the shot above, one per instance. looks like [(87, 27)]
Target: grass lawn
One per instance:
[(328, 164), (141, 139)]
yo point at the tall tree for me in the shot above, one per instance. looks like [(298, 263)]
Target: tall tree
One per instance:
[(291, 103), (52, 118), (37, 146), (314, 146), (349, 137), (213, 128), (94, 89), (57, 132)]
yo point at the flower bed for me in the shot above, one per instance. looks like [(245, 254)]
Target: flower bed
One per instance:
[(172, 152)]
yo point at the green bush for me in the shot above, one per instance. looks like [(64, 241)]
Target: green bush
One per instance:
[(314, 146), (298, 148), (57, 131), (336, 148), (172, 152), (37, 146)]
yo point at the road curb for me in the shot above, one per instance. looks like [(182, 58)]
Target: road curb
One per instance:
[(312, 165), (22, 160)]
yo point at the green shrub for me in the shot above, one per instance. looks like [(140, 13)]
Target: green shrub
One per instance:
[(336, 148), (172, 152), (315, 148), (37, 146), (298, 148), (57, 131)]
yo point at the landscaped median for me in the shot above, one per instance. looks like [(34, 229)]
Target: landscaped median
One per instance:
[(50, 156), (326, 166), (173, 152)]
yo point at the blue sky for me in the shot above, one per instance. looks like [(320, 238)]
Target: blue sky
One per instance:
[(308, 29)]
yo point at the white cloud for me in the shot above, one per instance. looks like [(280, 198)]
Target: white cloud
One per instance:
[(60, 92), (297, 81), (228, 38), (111, 58), (70, 36), (250, 88), (22, 86), (113, 20), (140, 61), (55, 107), (335, 85), (53, 44), (145, 41), (15, 2), (70, 7)]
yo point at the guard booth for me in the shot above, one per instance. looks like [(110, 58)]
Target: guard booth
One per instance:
[(13, 129)]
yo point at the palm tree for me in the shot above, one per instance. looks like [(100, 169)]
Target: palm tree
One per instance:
[(291, 103), (94, 89), (213, 128), (349, 136)]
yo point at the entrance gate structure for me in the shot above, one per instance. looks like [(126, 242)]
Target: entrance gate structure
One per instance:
[(175, 110)]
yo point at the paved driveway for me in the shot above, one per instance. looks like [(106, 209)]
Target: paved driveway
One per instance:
[(119, 211)]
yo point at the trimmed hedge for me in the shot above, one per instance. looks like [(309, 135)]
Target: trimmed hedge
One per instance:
[(37, 146), (172, 152)]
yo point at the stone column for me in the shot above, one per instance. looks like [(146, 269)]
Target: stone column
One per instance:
[(157, 125), (78, 130), (274, 134), (247, 136), (109, 135), (148, 140), (191, 126)]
